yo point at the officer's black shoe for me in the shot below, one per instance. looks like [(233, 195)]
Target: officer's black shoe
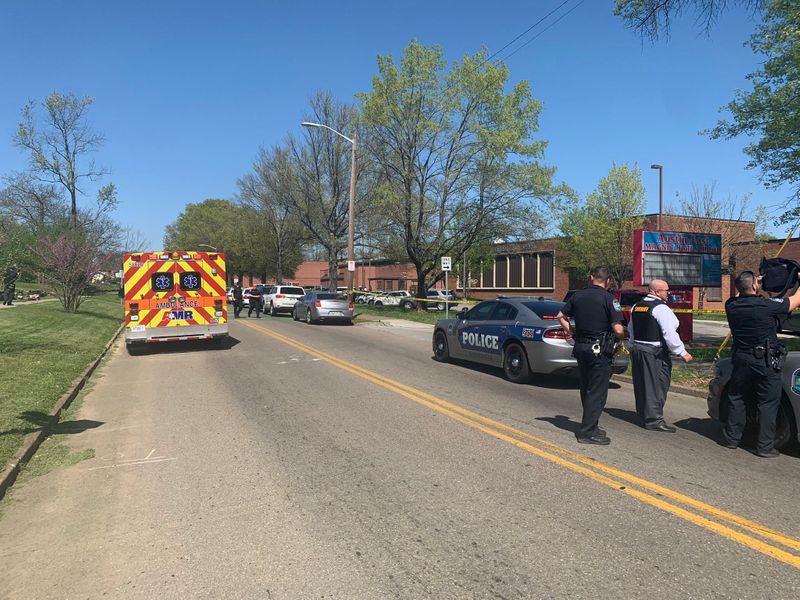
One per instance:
[(660, 426), (598, 439), (769, 454), (726, 444)]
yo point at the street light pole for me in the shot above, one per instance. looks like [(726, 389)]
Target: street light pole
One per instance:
[(351, 209), (660, 192)]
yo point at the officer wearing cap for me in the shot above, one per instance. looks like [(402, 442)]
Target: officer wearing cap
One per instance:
[(757, 361), (598, 326), (653, 330)]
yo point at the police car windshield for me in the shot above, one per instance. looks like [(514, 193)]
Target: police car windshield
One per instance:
[(545, 309)]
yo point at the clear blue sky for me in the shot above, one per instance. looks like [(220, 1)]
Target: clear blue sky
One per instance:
[(186, 92)]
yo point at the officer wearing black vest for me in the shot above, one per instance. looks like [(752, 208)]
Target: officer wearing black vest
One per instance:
[(598, 326), (653, 330), (757, 361)]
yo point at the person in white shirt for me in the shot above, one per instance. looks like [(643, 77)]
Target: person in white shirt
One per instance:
[(653, 330)]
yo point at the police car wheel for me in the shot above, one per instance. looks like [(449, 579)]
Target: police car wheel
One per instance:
[(271, 309), (407, 305), (309, 320), (441, 352), (515, 364), (294, 315)]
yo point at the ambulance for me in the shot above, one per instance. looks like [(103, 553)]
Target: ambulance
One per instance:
[(174, 296)]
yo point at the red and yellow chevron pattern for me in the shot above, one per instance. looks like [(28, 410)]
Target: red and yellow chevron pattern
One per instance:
[(174, 307)]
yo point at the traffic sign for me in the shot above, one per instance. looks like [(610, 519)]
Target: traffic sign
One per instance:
[(447, 263), (351, 265)]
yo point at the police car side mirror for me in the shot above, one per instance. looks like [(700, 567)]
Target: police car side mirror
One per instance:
[(461, 315)]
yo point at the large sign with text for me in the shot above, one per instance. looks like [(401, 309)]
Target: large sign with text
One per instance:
[(680, 258)]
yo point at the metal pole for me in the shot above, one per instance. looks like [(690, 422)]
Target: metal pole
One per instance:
[(660, 195), (351, 221)]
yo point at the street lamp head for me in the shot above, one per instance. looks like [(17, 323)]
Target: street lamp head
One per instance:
[(208, 246), (656, 167), (310, 124)]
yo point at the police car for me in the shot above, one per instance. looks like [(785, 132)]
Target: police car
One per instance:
[(521, 335), (788, 421)]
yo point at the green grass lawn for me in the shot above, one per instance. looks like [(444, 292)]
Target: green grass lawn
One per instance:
[(395, 312), (42, 351)]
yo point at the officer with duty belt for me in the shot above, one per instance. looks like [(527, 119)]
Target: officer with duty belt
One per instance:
[(653, 330), (757, 361), (598, 326)]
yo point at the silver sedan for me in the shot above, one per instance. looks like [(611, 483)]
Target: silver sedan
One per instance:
[(317, 306)]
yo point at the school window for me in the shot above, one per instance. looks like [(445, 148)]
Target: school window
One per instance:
[(535, 270), (714, 293)]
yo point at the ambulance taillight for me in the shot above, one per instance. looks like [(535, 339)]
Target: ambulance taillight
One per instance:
[(134, 309)]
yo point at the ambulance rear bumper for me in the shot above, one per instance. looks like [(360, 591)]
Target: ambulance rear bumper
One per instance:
[(134, 335)]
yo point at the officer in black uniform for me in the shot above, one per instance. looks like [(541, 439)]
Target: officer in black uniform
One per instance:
[(238, 299), (255, 302), (757, 361), (598, 326)]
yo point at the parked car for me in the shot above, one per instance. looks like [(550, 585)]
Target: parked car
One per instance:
[(437, 299), (316, 306), (229, 295), (789, 323), (520, 335), (786, 430), (281, 298), (402, 298)]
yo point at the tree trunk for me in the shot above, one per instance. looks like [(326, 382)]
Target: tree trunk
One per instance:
[(333, 271)]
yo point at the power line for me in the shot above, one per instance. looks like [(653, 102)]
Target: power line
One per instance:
[(545, 29), (544, 18)]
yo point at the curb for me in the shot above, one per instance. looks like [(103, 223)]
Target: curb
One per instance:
[(678, 389), (33, 440)]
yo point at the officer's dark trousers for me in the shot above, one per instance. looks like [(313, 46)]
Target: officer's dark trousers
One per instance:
[(752, 382), (652, 371), (8, 296), (254, 305), (595, 373), (237, 308)]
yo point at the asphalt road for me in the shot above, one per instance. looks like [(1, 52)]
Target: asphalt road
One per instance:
[(343, 462)]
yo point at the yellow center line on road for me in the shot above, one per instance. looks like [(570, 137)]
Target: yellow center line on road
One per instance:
[(545, 449)]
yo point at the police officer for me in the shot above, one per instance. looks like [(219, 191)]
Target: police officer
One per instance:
[(255, 302), (9, 285), (238, 299), (653, 330), (757, 361), (598, 326)]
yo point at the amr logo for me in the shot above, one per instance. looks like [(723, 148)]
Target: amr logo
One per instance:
[(181, 315)]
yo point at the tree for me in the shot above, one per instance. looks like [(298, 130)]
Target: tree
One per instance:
[(264, 192), (769, 114), (60, 143), (31, 203), (68, 261), (314, 174), (732, 218), (456, 162), (600, 232), (214, 222), (651, 18)]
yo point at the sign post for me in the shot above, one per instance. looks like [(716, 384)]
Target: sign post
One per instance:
[(447, 266)]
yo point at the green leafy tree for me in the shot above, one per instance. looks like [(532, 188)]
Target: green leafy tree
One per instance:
[(454, 154), (600, 231), (60, 143), (769, 114), (218, 223)]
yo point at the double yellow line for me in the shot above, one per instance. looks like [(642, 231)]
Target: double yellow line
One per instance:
[(668, 500)]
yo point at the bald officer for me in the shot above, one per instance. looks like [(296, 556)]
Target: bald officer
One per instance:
[(653, 330)]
